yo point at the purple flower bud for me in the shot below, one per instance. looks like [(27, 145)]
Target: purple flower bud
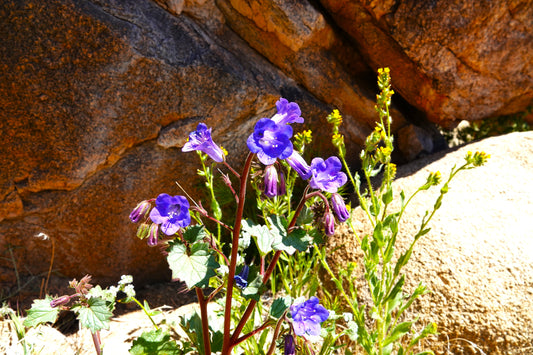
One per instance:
[(242, 278), (274, 182), (327, 175), (153, 235), (290, 346), (307, 316), (61, 301), (140, 211), (299, 165), (171, 212), (339, 207), (282, 186), (329, 224), (201, 140)]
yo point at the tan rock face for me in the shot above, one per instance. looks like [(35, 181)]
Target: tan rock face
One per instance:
[(477, 259), (454, 60)]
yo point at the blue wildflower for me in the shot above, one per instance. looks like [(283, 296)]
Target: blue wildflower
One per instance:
[(241, 279), (307, 316), (339, 207), (270, 141), (327, 175), (288, 112), (171, 212), (271, 137), (201, 140), (298, 163)]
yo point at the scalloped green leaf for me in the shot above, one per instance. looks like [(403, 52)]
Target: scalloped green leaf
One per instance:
[(194, 267), (254, 289), (95, 315), (279, 306), (260, 233), (41, 312), (194, 233)]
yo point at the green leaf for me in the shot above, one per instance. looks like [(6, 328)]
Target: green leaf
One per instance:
[(261, 234), (387, 196), (41, 312), (95, 316), (431, 328), (279, 306), (195, 268), (155, 342), (254, 289), (399, 331), (306, 216), (298, 239), (194, 233)]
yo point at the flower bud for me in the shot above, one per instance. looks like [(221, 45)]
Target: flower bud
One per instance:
[(61, 301), (329, 224), (153, 235), (140, 212), (298, 163), (242, 278), (339, 207), (290, 346), (143, 230), (274, 182)]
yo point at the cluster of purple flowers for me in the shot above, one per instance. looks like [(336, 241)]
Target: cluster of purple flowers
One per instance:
[(271, 141), (169, 215)]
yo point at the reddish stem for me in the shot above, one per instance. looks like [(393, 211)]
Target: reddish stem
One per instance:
[(205, 323), (227, 344)]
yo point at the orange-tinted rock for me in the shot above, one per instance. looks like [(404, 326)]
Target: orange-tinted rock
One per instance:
[(453, 60), (96, 100)]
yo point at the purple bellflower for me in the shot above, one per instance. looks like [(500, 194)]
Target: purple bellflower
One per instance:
[(307, 316), (329, 224), (241, 279), (274, 182), (288, 112), (339, 207), (327, 175), (171, 212), (153, 235), (140, 211), (299, 164), (271, 137), (290, 346), (201, 140), (270, 141)]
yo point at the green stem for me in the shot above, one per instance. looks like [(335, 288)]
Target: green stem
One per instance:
[(145, 312)]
